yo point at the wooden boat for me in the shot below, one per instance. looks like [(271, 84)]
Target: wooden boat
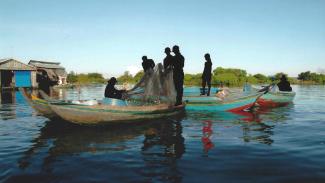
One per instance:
[(276, 99), (101, 114), (40, 105), (216, 104)]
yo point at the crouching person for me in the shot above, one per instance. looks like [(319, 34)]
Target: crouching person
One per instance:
[(111, 91)]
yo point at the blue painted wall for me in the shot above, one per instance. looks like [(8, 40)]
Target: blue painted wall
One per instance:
[(23, 78)]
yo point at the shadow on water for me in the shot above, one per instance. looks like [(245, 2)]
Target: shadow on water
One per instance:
[(160, 143)]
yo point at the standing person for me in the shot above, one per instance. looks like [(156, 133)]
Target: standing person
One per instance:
[(206, 76), (168, 60), (178, 74), (147, 63)]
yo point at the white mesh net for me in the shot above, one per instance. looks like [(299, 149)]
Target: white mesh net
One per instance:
[(156, 86)]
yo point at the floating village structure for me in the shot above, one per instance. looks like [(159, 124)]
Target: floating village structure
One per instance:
[(55, 72), (16, 74)]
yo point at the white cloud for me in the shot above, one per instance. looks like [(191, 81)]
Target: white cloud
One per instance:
[(133, 69)]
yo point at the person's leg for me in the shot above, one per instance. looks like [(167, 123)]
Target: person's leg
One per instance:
[(176, 83), (209, 86), (180, 100), (178, 80), (203, 86)]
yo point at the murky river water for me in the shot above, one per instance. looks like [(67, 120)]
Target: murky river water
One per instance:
[(285, 144)]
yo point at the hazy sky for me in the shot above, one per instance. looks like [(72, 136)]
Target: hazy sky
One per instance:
[(261, 36)]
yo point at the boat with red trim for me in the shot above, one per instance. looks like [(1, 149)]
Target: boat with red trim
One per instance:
[(230, 104), (276, 99)]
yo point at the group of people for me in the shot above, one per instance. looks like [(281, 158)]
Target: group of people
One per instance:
[(174, 63)]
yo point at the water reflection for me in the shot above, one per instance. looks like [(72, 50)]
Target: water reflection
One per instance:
[(256, 126), (8, 97), (206, 138), (12, 105), (162, 147), (163, 142)]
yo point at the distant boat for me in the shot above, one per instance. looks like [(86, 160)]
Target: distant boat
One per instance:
[(276, 99), (213, 103)]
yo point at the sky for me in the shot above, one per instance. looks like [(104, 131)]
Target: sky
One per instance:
[(110, 37)]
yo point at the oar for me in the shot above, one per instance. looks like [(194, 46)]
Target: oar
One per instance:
[(267, 89)]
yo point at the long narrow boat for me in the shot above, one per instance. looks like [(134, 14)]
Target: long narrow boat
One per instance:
[(40, 105), (217, 104), (101, 114)]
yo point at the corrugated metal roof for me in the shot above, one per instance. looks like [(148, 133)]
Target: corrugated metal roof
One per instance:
[(12, 64), (5, 59), (47, 65)]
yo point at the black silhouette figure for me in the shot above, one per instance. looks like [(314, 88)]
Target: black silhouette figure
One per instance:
[(44, 82), (147, 63), (284, 84), (111, 91), (206, 76), (168, 60), (178, 74)]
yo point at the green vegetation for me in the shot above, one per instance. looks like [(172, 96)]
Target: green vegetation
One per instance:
[(224, 76), (128, 78), (85, 78), (311, 78)]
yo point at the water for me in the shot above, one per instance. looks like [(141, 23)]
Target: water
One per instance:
[(279, 145)]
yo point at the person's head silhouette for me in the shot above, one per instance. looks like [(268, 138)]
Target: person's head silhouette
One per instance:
[(167, 50), (144, 58), (207, 57), (112, 81), (283, 78), (176, 49)]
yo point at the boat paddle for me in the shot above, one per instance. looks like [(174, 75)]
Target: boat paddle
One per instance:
[(264, 91)]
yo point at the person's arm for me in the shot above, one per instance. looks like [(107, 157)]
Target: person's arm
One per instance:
[(182, 62), (143, 66), (139, 83)]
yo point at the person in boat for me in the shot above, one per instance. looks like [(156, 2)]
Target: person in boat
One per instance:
[(222, 92), (111, 91), (147, 63), (168, 60), (206, 76), (284, 84), (178, 74)]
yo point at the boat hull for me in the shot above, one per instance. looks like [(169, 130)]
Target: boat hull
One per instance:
[(215, 104), (276, 99), (103, 114), (39, 105)]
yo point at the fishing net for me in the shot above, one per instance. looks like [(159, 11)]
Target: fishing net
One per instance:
[(156, 86)]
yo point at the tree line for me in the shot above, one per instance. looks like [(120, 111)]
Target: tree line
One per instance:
[(221, 76), (75, 78)]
